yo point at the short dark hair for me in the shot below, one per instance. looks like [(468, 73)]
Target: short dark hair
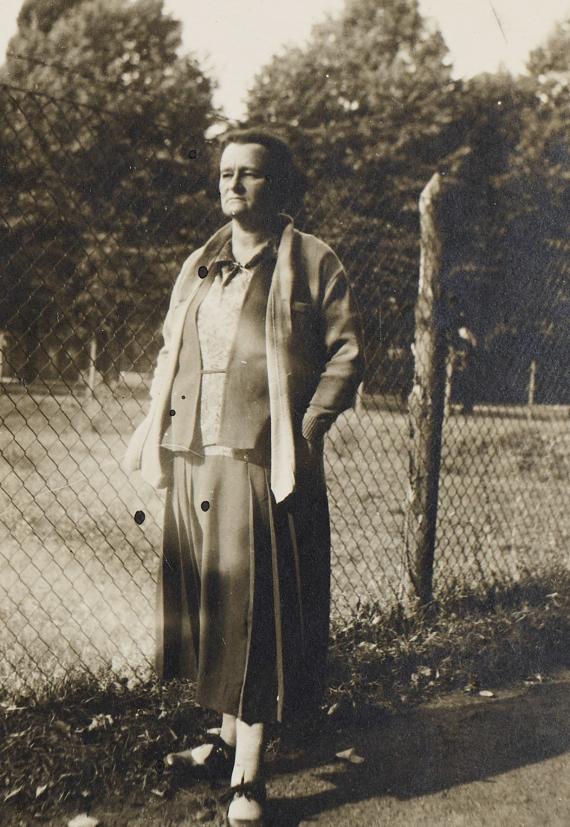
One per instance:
[(287, 181)]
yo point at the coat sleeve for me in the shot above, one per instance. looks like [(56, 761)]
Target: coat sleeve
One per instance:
[(344, 365)]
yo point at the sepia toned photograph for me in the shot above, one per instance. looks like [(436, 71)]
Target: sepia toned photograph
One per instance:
[(284, 413)]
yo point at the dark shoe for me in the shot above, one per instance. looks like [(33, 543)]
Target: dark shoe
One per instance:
[(218, 763), (247, 805)]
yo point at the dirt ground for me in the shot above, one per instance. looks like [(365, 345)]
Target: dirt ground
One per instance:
[(459, 761)]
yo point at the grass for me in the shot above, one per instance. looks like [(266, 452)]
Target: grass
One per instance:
[(90, 740), (77, 572), (475, 640)]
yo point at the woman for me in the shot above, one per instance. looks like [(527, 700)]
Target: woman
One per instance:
[(262, 351)]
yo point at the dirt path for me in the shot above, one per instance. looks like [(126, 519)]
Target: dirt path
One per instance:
[(459, 761)]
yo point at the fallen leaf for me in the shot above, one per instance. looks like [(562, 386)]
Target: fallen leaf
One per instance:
[(332, 710), (40, 790), (351, 756), (100, 722), (13, 793), (158, 792), (486, 693), (83, 820)]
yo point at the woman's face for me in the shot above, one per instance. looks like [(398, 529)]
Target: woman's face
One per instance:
[(245, 190)]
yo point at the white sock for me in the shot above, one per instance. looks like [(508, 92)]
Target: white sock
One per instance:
[(249, 752)]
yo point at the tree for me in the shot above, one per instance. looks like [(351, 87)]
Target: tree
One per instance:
[(540, 229), (507, 220), (369, 104), (108, 163)]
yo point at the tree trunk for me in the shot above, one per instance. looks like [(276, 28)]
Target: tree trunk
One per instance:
[(426, 405)]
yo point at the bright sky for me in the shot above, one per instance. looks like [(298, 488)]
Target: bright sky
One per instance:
[(236, 37)]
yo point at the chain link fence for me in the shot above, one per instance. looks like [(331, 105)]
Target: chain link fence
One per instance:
[(506, 460), (88, 262)]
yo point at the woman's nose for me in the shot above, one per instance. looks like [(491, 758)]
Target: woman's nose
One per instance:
[(235, 181)]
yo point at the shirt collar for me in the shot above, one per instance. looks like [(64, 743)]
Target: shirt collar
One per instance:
[(226, 265)]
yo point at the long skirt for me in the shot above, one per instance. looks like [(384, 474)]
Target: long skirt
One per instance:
[(244, 588)]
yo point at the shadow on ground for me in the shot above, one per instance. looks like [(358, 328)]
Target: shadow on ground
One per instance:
[(458, 761), (454, 741)]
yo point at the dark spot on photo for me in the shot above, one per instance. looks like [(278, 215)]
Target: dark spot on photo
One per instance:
[(139, 517)]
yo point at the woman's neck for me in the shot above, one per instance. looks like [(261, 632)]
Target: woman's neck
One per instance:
[(246, 241)]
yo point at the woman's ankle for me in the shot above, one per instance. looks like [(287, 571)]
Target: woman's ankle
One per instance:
[(247, 774), (248, 766)]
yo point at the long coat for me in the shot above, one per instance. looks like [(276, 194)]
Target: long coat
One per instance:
[(314, 365)]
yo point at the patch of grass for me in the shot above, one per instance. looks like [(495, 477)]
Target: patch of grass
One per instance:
[(89, 739), (466, 639)]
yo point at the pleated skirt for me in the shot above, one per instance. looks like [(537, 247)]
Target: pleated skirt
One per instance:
[(244, 588)]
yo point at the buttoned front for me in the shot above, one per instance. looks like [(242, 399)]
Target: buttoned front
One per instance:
[(216, 373), (217, 321)]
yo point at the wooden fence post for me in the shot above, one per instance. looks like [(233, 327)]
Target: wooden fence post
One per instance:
[(531, 389), (3, 347), (92, 372), (426, 404)]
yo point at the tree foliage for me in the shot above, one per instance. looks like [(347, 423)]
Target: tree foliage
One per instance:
[(42, 14), (105, 163), (507, 220), (374, 78), (369, 104)]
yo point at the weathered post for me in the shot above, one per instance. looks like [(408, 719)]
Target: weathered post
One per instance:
[(3, 347), (531, 389), (92, 372), (426, 404), (450, 363)]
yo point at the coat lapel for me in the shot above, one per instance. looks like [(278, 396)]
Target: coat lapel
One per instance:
[(278, 334)]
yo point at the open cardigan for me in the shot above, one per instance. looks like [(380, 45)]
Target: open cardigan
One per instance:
[(314, 353)]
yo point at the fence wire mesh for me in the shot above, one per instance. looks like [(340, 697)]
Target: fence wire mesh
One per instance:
[(503, 509), (88, 261)]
